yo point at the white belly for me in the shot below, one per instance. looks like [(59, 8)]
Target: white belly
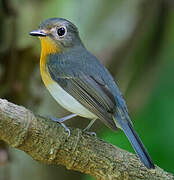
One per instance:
[(68, 102)]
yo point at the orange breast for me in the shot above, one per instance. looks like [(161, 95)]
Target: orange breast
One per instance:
[(47, 47)]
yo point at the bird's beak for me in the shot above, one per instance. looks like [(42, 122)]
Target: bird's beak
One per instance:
[(38, 32)]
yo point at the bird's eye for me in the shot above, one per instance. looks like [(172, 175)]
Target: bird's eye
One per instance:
[(61, 31)]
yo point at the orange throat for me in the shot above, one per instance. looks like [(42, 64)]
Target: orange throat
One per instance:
[(47, 47)]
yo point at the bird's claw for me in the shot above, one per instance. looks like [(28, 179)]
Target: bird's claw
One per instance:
[(90, 133), (62, 124), (66, 129)]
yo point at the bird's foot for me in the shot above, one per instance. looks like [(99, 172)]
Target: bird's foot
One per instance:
[(60, 120), (66, 129), (89, 133), (86, 130)]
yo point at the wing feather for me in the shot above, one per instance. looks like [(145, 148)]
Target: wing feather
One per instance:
[(86, 89)]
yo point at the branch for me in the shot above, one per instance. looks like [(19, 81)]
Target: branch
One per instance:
[(47, 142)]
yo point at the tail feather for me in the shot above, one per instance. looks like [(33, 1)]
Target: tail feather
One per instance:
[(137, 144)]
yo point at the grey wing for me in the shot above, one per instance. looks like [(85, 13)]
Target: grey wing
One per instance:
[(90, 91)]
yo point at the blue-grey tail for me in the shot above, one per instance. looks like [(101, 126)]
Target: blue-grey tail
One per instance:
[(136, 142)]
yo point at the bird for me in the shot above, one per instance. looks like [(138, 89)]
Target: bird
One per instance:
[(81, 84)]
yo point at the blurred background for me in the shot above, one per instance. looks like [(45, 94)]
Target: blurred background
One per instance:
[(134, 39)]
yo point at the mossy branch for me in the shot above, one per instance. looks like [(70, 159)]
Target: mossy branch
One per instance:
[(47, 142)]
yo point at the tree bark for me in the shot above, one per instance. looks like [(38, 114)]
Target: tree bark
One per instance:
[(47, 142)]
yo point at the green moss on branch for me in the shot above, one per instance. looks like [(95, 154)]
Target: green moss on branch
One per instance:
[(47, 142)]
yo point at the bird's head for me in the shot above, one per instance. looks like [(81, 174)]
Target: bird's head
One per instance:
[(57, 35)]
